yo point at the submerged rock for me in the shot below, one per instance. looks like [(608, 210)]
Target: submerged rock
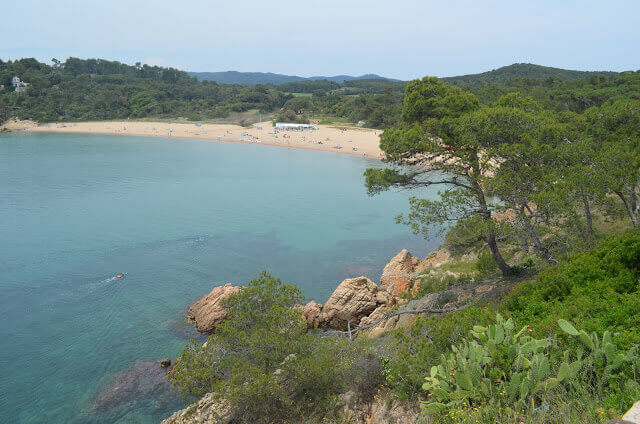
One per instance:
[(208, 311), (145, 379)]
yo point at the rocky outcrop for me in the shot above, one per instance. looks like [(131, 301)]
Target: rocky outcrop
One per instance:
[(207, 410), (312, 312), (208, 311), (397, 274), (403, 271), (380, 410), (434, 260), (352, 300)]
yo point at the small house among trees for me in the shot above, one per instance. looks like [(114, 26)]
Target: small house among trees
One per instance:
[(18, 85)]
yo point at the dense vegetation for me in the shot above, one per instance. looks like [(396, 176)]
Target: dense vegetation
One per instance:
[(530, 71), (96, 89), (565, 95), (513, 175)]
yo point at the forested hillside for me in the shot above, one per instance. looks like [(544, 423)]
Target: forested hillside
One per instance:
[(97, 89), (522, 70)]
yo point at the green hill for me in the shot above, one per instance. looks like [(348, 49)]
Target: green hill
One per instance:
[(522, 70)]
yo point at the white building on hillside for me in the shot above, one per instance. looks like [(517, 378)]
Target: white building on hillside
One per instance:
[(18, 85)]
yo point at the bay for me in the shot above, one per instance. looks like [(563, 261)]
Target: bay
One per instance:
[(176, 218)]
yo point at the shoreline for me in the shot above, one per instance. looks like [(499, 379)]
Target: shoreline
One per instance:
[(362, 142)]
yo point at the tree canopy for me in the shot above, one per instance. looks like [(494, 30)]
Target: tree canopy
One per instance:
[(512, 172)]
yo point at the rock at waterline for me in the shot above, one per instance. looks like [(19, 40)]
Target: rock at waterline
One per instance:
[(352, 300), (208, 311), (311, 313)]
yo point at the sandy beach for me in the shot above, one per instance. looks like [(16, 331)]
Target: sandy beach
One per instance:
[(344, 140)]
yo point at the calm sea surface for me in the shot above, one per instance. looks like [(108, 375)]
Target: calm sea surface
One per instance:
[(177, 217)]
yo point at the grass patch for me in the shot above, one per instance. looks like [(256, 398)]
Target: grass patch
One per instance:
[(300, 94)]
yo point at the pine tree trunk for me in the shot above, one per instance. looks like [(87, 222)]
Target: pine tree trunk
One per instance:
[(632, 213), (587, 215), (537, 243), (505, 269)]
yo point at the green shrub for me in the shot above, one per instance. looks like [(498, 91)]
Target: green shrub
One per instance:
[(486, 265), (435, 283), (263, 362), (414, 350), (501, 369), (598, 288)]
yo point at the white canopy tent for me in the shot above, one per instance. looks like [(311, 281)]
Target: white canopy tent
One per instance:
[(294, 127)]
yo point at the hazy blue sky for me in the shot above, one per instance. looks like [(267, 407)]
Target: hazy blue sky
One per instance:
[(401, 38)]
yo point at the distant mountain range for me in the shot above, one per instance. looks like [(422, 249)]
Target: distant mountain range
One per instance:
[(254, 78), (496, 76)]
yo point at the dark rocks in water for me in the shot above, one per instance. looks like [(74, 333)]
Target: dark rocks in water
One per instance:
[(182, 329), (144, 380)]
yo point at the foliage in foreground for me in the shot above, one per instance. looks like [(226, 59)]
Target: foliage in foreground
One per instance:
[(262, 360), (597, 288), (505, 370)]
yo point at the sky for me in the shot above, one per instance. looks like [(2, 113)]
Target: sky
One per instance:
[(401, 39)]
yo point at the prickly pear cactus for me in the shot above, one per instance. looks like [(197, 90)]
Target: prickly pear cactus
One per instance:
[(504, 368)]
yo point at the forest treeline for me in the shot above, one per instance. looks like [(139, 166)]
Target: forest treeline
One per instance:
[(96, 89)]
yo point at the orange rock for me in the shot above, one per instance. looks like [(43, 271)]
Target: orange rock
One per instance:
[(400, 285), (208, 311), (311, 313), (416, 288), (400, 266), (434, 260)]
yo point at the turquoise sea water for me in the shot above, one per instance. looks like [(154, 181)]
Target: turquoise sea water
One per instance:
[(177, 217)]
